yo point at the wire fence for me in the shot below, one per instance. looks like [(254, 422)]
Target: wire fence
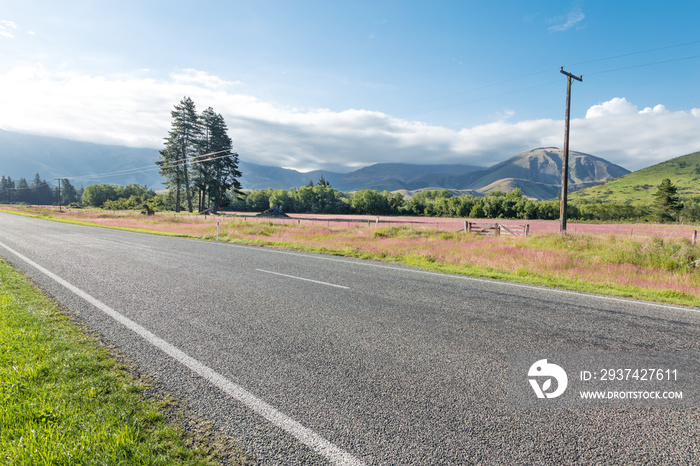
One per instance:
[(456, 225)]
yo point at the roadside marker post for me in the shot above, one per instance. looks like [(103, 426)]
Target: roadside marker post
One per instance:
[(217, 230)]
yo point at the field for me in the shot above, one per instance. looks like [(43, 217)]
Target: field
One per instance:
[(643, 261)]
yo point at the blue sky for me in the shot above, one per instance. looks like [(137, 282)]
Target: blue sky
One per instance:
[(339, 85)]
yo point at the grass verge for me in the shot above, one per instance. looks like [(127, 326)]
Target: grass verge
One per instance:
[(65, 400)]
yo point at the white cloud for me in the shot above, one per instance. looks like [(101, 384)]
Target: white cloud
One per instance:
[(7, 29), (574, 17), (616, 106), (635, 138), (196, 77), (656, 109), (135, 111)]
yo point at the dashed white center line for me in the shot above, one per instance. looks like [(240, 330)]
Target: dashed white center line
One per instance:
[(304, 279)]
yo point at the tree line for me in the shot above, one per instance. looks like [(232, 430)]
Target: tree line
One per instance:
[(38, 192), (105, 196), (321, 198)]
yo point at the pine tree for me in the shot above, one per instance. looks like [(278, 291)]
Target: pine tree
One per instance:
[(68, 191), (66, 194), (217, 170), (172, 171), (40, 192), (180, 147), (22, 191), (204, 169), (11, 191), (4, 191), (667, 204)]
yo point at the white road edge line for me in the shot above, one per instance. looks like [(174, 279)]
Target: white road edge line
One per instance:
[(306, 436), (304, 279)]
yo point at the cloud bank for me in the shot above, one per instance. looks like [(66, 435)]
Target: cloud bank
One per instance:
[(135, 111)]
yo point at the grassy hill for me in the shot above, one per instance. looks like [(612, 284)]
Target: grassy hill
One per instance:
[(637, 188), (533, 189)]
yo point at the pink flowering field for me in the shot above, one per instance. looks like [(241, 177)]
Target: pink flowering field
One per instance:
[(645, 261)]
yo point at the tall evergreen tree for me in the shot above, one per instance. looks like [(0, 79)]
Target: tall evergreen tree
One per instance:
[(40, 192), (68, 192), (204, 170), (667, 204), (12, 191), (5, 190), (217, 170), (22, 191), (171, 170), (181, 146)]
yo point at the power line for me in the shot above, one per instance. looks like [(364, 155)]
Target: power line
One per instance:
[(547, 70), (189, 161), (643, 65), (633, 53)]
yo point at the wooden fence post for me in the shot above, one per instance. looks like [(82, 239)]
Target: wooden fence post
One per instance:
[(695, 237)]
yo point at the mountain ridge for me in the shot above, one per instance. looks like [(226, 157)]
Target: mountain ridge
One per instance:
[(537, 172)]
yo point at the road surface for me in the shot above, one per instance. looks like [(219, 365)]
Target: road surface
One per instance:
[(310, 359)]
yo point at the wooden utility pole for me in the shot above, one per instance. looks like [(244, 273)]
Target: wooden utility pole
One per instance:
[(565, 161)]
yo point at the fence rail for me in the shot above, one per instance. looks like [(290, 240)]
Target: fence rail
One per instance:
[(496, 229)]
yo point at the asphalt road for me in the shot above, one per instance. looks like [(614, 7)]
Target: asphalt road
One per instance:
[(314, 359)]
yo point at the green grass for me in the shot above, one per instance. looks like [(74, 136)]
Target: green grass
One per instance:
[(65, 400), (637, 188), (671, 254)]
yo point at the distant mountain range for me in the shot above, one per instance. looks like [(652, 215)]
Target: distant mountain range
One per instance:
[(536, 172), (83, 163)]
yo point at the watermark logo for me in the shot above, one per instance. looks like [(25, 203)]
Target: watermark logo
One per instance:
[(546, 372)]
